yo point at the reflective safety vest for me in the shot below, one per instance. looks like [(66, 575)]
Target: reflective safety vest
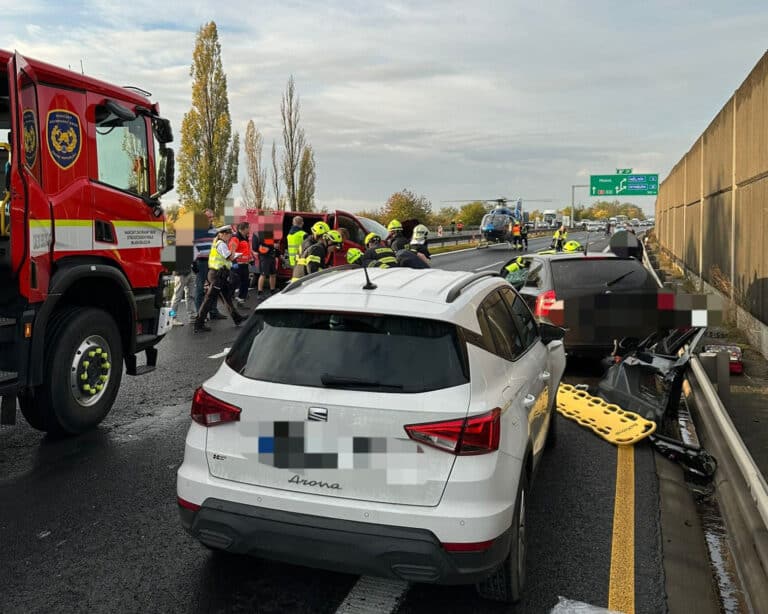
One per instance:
[(560, 235), (294, 246), (215, 260), (516, 230)]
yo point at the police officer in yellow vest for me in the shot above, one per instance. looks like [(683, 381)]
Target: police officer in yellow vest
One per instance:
[(219, 266), (295, 238)]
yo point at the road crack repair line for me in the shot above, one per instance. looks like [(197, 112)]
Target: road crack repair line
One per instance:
[(374, 596)]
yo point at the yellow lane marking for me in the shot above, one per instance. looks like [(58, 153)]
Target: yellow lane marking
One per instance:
[(621, 590)]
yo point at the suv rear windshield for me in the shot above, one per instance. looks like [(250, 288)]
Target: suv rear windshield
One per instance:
[(351, 351), (592, 273)]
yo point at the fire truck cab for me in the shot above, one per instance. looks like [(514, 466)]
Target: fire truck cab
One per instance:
[(83, 164)]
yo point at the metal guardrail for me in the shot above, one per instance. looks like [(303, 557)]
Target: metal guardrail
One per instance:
[(467, 236), (742, 492), (741, 489)]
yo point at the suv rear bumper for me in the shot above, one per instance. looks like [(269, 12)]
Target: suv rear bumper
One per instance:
[(358, 548)]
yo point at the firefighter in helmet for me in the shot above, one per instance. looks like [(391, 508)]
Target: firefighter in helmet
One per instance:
[(319, 229), (396, 238), (378, 251), (313, 258)]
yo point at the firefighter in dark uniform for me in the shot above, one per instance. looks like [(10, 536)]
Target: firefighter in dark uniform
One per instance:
[(377, 251), (396, 238), (356, 257), (314, 257), (319, 229), (524, 235)]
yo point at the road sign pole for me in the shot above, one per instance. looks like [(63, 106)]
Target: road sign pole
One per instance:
[(573, 201)]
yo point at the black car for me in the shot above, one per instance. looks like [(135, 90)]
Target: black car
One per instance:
[(598, 298)]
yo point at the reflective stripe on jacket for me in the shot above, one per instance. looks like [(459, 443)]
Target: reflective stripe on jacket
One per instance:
[(385, 255)]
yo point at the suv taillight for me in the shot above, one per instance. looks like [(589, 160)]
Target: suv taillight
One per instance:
[(544, 302), (463, 437), (210, 411)]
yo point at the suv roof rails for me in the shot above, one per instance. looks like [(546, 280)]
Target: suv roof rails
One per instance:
[(302, 280), (460, 286)]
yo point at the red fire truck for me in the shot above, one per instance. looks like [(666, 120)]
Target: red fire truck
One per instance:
[(81, 231)]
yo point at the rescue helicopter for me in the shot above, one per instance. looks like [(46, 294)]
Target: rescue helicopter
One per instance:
[(496, 225)]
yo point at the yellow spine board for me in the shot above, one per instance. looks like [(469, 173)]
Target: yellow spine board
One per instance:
[(609, 421)]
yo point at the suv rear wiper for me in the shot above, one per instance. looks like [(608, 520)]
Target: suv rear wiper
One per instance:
[(351, 382), (618, 279)]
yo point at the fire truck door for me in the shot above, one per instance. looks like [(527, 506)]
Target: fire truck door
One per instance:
[(30, 214), (124, 225)]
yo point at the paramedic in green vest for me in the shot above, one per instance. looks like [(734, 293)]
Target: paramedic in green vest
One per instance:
[(559, 238), (295, 238), (219, 267)]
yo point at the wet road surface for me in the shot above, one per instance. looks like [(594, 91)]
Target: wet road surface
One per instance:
[(91, 525)]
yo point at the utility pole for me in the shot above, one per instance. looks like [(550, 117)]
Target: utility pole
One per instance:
[(573, 202)]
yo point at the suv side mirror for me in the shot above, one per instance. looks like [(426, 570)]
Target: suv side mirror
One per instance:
[(550, 332)]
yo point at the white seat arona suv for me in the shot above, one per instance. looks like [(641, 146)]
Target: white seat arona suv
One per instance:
[(390, 431)]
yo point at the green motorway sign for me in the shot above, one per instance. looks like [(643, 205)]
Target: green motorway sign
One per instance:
[(626, 185), (623, 171)]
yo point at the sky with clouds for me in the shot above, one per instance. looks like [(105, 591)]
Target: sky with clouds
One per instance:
[(453, 100)]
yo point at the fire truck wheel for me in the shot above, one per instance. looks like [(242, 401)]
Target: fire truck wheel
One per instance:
[(84, 366)]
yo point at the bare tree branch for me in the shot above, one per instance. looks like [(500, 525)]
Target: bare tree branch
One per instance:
[(275, 179), (293, 140)]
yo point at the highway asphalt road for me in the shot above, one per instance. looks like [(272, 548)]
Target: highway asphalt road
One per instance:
[(90, 524)]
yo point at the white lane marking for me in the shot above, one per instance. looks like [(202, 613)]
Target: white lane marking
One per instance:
[(221, 354), (607, 249), (488, 266), (374, 596)]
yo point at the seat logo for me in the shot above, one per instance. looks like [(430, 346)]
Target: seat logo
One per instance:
[(64, 137), (317, 414)]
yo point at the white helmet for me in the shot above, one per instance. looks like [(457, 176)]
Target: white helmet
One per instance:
[(420, 232)]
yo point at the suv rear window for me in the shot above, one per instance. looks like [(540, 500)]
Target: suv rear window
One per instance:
[(592, 273), (351, 351)]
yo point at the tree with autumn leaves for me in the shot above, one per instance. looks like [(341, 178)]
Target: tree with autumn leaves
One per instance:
[(208, 154)]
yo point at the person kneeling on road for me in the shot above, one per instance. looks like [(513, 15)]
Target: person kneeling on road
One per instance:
[(219, 268), (314, 257), (376, 251)]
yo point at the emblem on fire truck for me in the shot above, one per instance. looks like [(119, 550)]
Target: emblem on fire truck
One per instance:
[(64, 137), (30, 137)]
